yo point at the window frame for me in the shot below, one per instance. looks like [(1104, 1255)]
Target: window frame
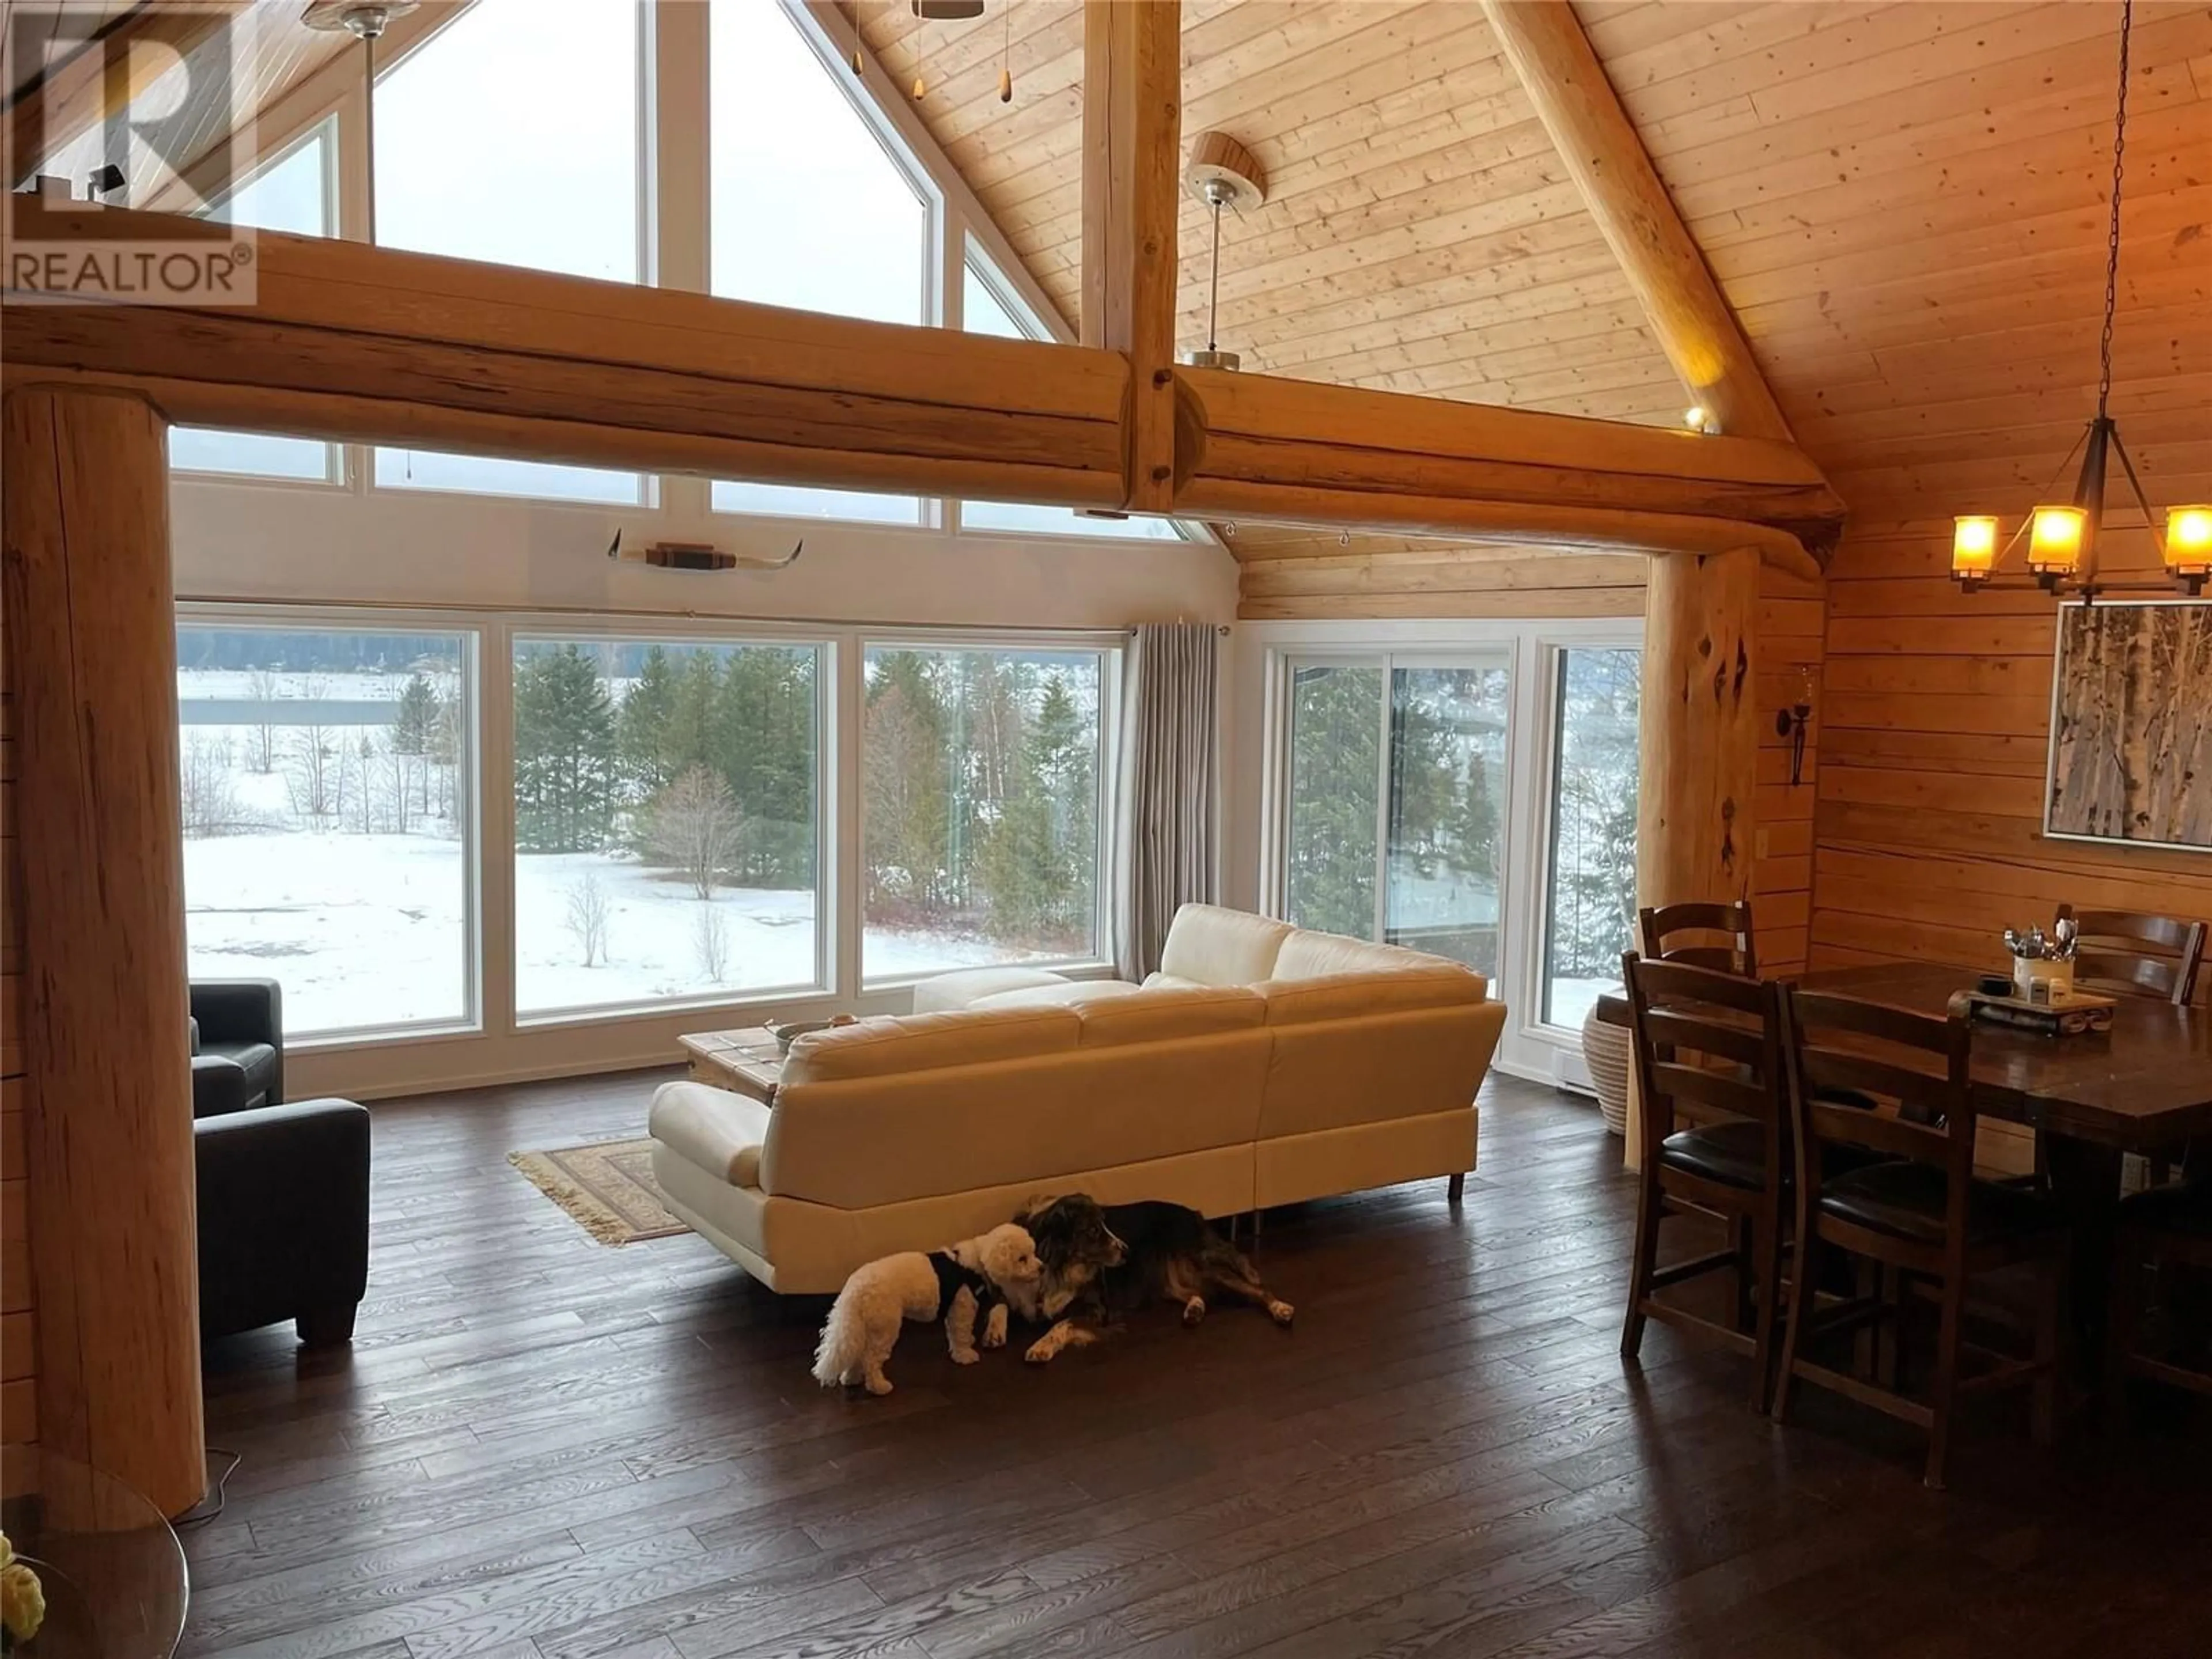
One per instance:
[(523, 629), (1112, 648), (359, 619), (1551, 753)]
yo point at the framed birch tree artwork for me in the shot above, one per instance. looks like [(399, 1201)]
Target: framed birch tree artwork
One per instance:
[(2131, 726)]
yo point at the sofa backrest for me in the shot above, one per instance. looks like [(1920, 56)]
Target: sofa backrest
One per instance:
[(1207, 945), (1115, 1013), (1314, 956), (898, 1109)]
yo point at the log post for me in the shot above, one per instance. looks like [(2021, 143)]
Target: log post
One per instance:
[(1697, 735), (1132, 157), (92, 656)]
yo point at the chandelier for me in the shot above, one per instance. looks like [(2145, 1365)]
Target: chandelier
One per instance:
[(2061, 536)]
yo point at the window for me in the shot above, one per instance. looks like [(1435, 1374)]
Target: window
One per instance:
[(291, 193), (1395, 787), (518, 145), (982, 311), (327, 818), (808, 210), (667, 821), (1590, 902), (980, 800)]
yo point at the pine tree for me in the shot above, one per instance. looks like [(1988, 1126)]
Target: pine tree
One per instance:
[(763, 742), (1473, 833), (414, 724), (647, 710), (564, 753), (903, 785), (1335, 749), (1036, 869)]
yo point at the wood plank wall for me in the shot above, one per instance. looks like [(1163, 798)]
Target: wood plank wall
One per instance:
[(1937, 718), (1434, 581), (18, 1341)]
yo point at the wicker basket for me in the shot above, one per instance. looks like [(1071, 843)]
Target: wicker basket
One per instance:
[(1605, 1051)]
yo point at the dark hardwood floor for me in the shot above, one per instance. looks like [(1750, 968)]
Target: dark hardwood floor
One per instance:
[(539, 1447)]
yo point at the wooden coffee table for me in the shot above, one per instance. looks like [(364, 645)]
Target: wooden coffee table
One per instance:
[(745, 1061)]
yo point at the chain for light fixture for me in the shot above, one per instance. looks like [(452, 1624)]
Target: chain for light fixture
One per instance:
[(2061, 537)]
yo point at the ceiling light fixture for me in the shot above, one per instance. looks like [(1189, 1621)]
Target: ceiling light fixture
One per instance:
[(2063, 536), (366, 21), (1222, 173)]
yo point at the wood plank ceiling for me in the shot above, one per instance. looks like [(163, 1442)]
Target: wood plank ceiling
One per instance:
[(1902, 203)]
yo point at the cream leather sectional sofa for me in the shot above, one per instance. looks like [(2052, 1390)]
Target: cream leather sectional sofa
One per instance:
[(1260, 1066)]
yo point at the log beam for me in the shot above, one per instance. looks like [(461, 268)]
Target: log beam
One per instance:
[(1133, 137), (1545, 43), (374, 345), (1295, 452), (92, 662)]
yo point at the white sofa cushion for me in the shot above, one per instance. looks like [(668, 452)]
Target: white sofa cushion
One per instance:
[(720, 1131), (965, 988), (894, 1044), (1209, 945)]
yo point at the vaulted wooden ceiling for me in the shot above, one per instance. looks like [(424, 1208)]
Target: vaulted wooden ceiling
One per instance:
[(1904, 205)]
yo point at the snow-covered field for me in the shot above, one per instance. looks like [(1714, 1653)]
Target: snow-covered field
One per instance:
[(366, 931), (367, 927)]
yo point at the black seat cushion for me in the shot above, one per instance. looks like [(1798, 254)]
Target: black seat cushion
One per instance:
[(1907, 1200), (2186, 1208), (1733, 1153), (257, 1060)]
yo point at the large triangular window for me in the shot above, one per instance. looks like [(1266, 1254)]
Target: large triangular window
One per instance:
[(809, 209), (516, 140), (293, 192)]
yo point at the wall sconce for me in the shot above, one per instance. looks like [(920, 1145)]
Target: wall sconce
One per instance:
[(1794, 722)]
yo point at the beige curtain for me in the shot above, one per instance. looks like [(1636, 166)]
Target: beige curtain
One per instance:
[(1166, 803)]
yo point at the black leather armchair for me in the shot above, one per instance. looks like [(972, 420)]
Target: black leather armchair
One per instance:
[(283, 1213), (242, 1021)]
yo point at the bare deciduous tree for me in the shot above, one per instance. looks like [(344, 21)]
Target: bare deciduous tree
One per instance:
[(210, 800), (261, 687), (692, 826), (588, 914), (712, 937)]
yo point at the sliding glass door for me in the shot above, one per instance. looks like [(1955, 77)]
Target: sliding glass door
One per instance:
[(1391, 825), (1589, 901), (1466, 789)]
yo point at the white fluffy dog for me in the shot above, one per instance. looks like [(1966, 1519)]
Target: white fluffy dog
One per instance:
[(956, 1282)]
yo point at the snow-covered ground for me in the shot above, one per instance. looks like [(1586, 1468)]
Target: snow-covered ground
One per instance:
[(367, 930)]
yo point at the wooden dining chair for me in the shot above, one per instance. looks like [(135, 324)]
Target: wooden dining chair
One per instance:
[(1686, 932), (2166, 1227), (1920, 1216), (2134, 955), (1707, 1046)]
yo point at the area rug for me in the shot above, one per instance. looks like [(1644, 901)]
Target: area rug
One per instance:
[(609, 1188)]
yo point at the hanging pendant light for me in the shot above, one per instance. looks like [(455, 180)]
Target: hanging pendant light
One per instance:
[(366, 21), (2062, 534), (1222, 173)]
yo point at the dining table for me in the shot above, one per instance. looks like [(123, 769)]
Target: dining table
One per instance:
[(2144, 1086)]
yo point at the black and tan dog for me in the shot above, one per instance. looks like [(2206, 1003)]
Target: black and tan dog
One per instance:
[(1101, 1262)]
